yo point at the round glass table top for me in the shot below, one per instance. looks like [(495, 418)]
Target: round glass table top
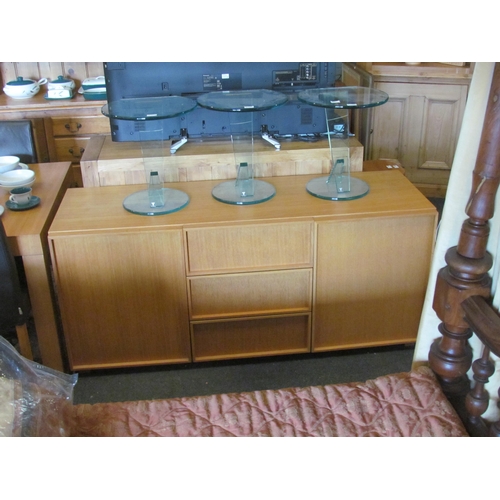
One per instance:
[(139, 203), (344, 97), (242, 100), (229, 192), (148, 108), (327, 189)]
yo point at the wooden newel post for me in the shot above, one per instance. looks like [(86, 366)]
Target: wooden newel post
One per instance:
[(466, 273)]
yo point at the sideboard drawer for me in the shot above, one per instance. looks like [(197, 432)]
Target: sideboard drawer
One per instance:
[(249, 247), (248, 337), (80, 125), (246, 294), (71, 148)]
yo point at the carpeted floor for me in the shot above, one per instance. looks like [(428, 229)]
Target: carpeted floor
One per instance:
[(241, 375)]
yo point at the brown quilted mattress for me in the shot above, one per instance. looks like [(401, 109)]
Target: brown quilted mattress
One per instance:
[(405, 404)]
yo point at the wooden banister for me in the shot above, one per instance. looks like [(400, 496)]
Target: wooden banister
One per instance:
[(466, 274), (484, 322)]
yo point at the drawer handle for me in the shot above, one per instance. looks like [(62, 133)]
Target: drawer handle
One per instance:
[(73, 127), (72, 152)]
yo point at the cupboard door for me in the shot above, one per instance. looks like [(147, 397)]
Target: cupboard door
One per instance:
[(371, 280), (419, 126), (389, 122), (123, 299)]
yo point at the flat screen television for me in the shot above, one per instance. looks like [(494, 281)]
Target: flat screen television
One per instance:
[(125, 80)]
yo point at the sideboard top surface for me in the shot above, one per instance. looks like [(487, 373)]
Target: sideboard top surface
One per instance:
[(38, 103), (96, 209)]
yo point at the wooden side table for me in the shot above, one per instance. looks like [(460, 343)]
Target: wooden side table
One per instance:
[(27, 232)]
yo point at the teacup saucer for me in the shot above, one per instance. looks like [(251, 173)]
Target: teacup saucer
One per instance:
[(35, 201)]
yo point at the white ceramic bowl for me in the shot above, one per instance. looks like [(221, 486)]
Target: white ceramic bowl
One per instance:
[(8, 163), (21, 185), (23, 89), (17, 178)]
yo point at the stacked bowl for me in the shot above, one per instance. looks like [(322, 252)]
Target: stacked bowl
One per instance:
[(8, 163), (12, 175)]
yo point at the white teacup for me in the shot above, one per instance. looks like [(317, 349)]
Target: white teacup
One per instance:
[(20, 195)]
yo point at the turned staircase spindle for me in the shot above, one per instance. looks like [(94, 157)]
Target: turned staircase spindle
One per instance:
[(466, 273), (495, 427), (484, 321), (477, 399)]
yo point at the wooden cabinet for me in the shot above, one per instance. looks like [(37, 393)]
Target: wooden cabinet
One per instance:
[(213, 281), (420, 124), (419, 127), (62, 129), (70, 136)]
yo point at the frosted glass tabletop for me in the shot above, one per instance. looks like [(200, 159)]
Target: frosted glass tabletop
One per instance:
[(344, 97), (139, 203), (242, 100), (148, 108)]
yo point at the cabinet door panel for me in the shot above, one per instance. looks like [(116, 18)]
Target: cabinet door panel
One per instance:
[(388, 130), (419, 126), (371, 280), (441, 125), (123, 303)]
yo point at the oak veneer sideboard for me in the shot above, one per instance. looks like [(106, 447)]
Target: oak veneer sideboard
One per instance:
[(213, 281)]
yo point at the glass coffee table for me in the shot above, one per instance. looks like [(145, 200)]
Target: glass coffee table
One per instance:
[(241, 104), (157, 199), (339, 185)]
